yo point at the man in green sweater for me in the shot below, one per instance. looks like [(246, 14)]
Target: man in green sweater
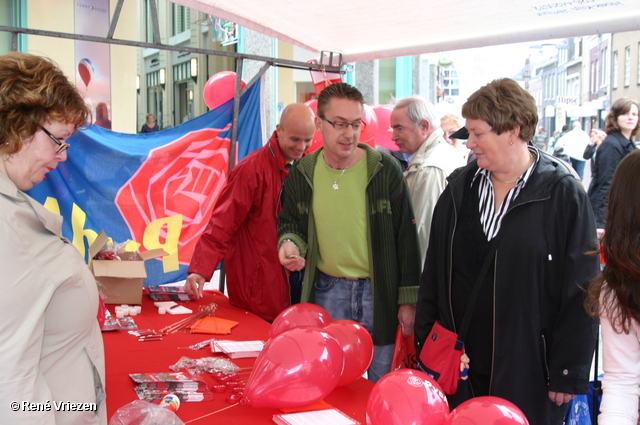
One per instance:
[(347, 217)]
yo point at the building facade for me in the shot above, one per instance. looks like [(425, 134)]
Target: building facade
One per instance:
[(625, 66)]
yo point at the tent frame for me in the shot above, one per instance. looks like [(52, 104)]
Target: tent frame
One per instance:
[(334, 65)]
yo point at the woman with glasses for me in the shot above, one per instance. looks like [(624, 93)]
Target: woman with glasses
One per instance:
[(50, 343)]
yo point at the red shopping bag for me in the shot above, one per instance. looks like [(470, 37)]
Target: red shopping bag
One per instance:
[(440, 357), (404, 352)]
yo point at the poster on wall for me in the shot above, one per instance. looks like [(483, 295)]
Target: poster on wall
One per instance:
[(93, 61)]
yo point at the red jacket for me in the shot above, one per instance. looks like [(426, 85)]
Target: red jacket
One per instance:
[(243, 232)]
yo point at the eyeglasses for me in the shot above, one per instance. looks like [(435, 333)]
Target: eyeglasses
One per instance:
[(61, 145), (343, 125)]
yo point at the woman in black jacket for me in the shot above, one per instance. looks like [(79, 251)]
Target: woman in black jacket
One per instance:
[(530, 340), (621, 125)]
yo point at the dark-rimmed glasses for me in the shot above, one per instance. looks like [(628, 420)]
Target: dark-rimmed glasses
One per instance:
[(61, 145), (343, 125)]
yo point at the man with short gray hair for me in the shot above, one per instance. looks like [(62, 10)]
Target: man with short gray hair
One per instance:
[(416, 130)]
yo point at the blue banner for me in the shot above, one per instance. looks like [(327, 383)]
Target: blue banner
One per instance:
[(155, 189)]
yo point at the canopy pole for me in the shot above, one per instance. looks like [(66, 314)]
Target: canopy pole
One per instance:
[(114, 20), (236, 112), (255, 78), (154, 20), (234, 135), (14, 41)]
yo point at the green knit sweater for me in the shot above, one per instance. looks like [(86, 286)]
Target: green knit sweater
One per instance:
[(394, 256)]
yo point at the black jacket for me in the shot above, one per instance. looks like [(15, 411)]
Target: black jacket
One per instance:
[(610, 153), (543, 338)]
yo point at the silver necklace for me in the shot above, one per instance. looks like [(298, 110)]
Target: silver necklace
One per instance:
[(335, 182)]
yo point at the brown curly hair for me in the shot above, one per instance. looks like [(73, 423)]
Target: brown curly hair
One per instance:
[(619, 282), (33, 91), (620, 107), (502, 104)]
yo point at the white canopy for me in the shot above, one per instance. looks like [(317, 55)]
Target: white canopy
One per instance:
[(375, 29)]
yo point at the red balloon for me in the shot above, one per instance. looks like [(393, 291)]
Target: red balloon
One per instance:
[(220, 88), (383, 135), (357, 347), (296, 368), (487, 410), (299, 315), (368, 132), (407, 397), (85, 69), (317, 136)]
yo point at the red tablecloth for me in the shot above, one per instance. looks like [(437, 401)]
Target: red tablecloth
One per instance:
[(125, 355)]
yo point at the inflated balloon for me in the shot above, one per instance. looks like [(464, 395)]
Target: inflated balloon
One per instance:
[(357, 347), (384, 132), (85, 69), (487, 410), (407, 397), (299, 315), (371, 126), (296, 368), (220, 88), (317, 136)]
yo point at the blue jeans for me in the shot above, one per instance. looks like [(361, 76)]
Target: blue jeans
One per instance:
[(578, 166), (347, 299)]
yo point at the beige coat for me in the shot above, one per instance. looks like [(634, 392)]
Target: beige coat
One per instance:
[(427, 178), (51, 350)]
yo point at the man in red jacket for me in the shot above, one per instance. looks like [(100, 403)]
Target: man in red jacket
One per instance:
[(243, 225)]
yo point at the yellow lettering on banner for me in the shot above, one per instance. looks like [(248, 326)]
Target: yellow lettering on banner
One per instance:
[(132, 246), (52, 205), (172, 227), (78, 218)]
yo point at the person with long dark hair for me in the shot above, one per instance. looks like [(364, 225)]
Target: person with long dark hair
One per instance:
[(621, 125), (615, 296)]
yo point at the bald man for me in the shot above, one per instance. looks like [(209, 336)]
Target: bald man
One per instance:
[(243, 226)]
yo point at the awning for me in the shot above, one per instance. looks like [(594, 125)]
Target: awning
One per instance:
[(375, 29)]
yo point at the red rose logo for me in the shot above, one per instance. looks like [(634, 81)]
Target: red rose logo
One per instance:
[(182, 177)]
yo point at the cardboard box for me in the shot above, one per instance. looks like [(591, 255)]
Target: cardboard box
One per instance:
[(121, 280)]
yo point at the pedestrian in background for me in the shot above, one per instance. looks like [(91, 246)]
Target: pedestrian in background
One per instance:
[(558, 149), (450, 123), (541, 140), (621, 125), (573, 145), (150, 126), (596, 137)]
